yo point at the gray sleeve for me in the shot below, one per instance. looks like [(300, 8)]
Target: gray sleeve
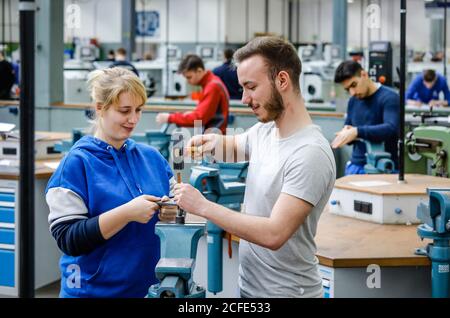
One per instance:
[(308, 175), (65, 205)]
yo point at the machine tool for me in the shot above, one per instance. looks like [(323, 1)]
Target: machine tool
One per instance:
[(317, 79), (427, 149), (435, 216)]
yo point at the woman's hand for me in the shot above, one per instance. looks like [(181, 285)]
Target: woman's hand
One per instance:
[(190, 199), (142, 208)]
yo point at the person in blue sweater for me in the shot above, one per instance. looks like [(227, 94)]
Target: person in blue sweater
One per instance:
[(121, 61), (373, 115), (426, 88), (228, 74), (102, 197)]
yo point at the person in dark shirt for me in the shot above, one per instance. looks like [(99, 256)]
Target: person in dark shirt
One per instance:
[(121, 61), (6, 77), (425, 89), (373, 115), (228, 75)]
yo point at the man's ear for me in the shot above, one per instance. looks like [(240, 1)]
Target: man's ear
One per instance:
[(364, 74), (282, 80)]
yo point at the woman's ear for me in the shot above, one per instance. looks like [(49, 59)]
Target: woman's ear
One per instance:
[(98, 108)]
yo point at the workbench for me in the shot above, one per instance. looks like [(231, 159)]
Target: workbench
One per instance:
[(348, 248), (47, 253)]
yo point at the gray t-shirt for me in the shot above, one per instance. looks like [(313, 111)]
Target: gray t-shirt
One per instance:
[(301, 165)]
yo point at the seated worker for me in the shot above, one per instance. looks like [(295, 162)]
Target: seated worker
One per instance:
[(102, 197), (228, 75), (7, 77), (425, 89), (121, 61), (111, 56), (372, 115), (212, 108)]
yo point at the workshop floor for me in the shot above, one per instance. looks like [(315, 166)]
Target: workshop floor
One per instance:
[(49, 291)]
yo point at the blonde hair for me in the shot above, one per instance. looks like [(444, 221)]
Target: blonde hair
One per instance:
[(106, 86)]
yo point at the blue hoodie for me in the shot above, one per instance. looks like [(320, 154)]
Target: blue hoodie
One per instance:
[(94, 178)]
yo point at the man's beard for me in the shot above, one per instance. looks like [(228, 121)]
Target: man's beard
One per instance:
[(274, 106)]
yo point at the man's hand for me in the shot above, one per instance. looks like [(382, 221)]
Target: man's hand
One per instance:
[(435, 103), (190, 199), (413, 102), (162, 118), (344, 137), (198, 147)]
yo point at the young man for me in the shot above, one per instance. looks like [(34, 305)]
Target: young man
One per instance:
[(228, 74), (425, 89), (212, 108), (290, 177), (372, 115)]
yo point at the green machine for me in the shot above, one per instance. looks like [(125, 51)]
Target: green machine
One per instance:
[(427, 151)]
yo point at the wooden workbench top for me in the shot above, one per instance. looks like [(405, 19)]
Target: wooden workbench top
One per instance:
[(43, 169), (348, 242), (387, 184), (183, 108)]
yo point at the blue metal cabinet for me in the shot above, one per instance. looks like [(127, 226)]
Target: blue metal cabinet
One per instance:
[(7, 271)]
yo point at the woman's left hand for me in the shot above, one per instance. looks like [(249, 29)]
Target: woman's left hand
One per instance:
[(190, 199)]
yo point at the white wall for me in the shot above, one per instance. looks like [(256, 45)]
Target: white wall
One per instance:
[(99, 19), (417, 25), (316, 21), (11, 30), (102, 19)]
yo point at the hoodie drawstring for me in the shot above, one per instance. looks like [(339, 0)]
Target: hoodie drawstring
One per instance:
[(121, 172), (133, 169)]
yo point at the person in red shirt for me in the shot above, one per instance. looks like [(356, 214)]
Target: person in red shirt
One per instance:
[(213, 106)]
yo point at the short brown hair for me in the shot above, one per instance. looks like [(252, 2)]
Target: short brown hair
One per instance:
[(121, 51), (429, 76), (279, 55), (190, 62)]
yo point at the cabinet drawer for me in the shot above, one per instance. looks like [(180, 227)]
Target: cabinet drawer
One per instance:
[(7, 199), (6, 236), (6, 215), (7, 268)]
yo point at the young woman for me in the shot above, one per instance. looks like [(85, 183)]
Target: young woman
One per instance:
[(102, 197)]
